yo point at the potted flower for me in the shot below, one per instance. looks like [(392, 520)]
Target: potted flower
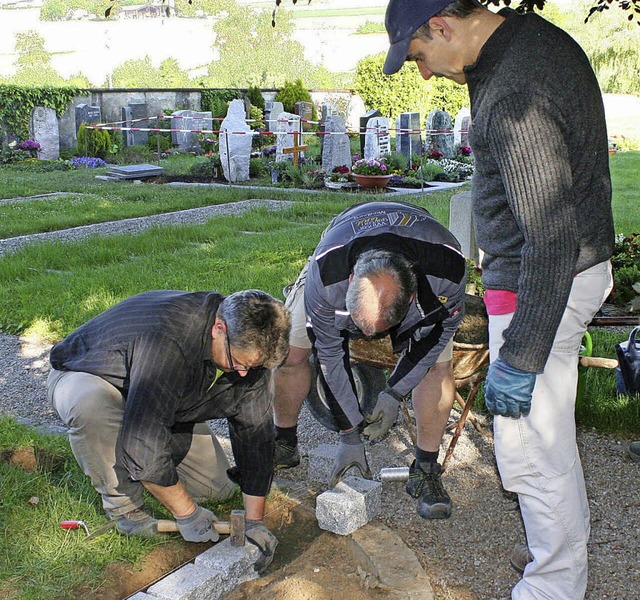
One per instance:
[(372, 173), (29, 146)]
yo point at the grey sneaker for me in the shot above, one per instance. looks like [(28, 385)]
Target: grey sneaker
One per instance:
[(433, 500), (634, 451), (520, 557), (285, 456), (136, 522)]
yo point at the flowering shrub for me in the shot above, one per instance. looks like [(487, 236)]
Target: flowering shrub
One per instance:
[(465, 151), (340, 175), (29, 146), (373, 166), (88, 162), (436, 154)]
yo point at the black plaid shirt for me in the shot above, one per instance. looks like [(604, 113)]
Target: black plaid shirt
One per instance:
[(156, 349)]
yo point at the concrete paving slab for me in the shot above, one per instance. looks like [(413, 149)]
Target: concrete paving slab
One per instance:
[(381, 553)]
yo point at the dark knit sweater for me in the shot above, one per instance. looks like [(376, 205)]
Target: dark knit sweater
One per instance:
[(541, 190)]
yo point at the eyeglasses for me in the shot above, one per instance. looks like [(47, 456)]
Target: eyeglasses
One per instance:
[(232, 365)]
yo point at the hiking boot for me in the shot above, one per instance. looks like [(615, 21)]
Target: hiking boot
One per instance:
[(520, 557), (285, 456), (136, 522), (634, 451), (425, 483)]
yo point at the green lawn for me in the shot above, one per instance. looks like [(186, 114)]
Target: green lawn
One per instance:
[(51, 288)]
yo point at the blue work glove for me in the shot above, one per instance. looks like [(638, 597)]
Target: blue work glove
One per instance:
[(507, 390), (260, 536), (382, 417), (350, 454), (198, 526)]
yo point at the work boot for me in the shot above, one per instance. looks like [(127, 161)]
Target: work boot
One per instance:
[(520, 557), (425, 483), (136, 522), (634, 451), (285, 456)]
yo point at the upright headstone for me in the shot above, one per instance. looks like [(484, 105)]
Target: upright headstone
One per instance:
[(377, 138), (461, 126), (364, 119), (87, 114), (130, 115), (336, 151), (326, 109), (180, 134), (286, 124), (355, 108), (440, 133), (45, 130), (235, 144), (272, 112), (247, 106), (408, 138), (305, 111), (461, 224)]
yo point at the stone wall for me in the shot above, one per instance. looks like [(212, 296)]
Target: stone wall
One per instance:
[(111, 102)]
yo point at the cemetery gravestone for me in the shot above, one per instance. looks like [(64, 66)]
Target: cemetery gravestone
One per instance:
[(272, 112), (461, 224), (235, 144), (364, 119), (377, 139), (285, 126), (325, 111), (408, 138), (45, 130), (179, 120), (440, 133), (87, 114), (305, 111), (461, 126), (336, 151), (131, 115)]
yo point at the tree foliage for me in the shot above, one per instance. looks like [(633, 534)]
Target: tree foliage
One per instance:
[(252, 53), (405, 91), (141, 73)]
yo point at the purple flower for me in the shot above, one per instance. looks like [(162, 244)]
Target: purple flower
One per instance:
[(29, 145), (87, 162)]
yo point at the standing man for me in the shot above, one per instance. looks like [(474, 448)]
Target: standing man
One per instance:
[(136, 385), (542, 208), (380, 267)]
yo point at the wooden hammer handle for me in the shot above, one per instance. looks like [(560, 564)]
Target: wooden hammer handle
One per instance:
[(167, 526)]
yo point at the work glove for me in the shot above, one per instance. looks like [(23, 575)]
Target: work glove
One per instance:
[(382, 417), (350, 454), (198, 526), (507, 390), (259, 535)]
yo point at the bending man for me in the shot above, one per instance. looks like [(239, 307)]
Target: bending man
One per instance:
[(136, 385), (380, 267)]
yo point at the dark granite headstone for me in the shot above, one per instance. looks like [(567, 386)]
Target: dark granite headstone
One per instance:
[(87, 114), (408, 138), (130, 114)]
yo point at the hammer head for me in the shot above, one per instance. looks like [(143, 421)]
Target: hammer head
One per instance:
[(237, 528)]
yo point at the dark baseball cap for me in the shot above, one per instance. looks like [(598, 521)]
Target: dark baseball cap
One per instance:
[(402, 20)]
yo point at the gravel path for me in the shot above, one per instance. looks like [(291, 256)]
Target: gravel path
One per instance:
[(467, 556), (138, 224)]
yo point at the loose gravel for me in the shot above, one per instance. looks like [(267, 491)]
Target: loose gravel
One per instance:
[(466, 556)]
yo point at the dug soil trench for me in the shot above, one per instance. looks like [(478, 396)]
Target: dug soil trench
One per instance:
[(309, 564)]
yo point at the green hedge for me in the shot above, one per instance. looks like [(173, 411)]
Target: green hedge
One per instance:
[(406, 91)]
